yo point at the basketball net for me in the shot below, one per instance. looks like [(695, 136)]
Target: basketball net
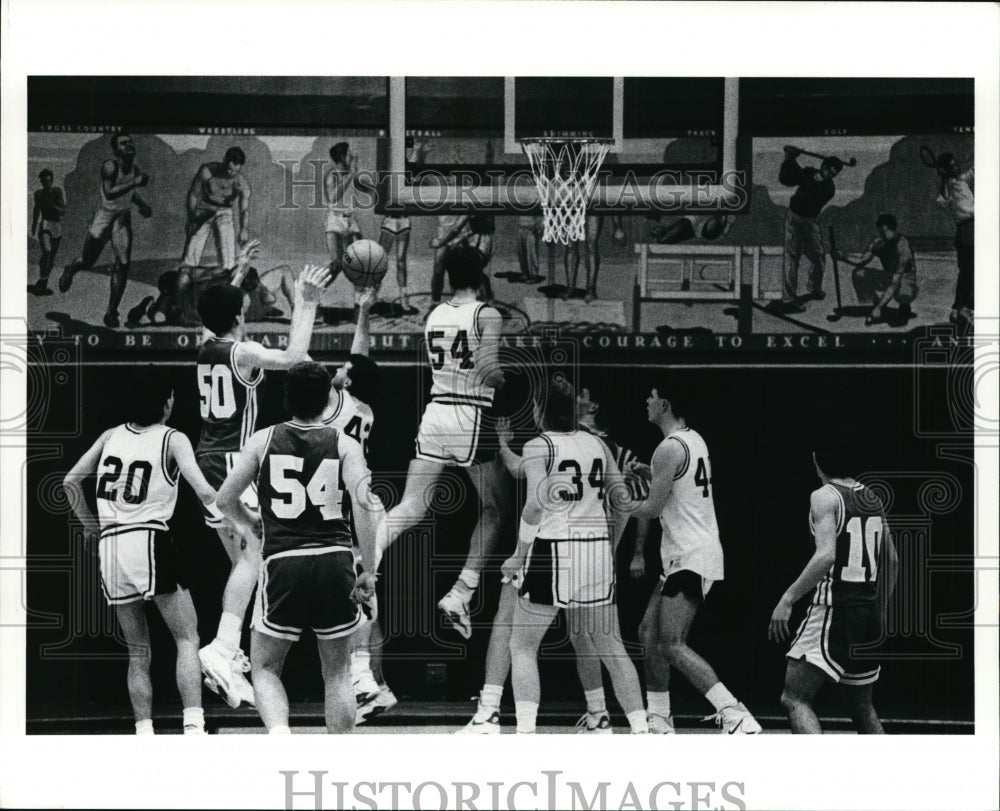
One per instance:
[(565, 173)]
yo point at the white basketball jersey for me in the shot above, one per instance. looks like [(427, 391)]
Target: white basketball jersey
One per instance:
[(453, 339), (353, 418), (134, 484), (690, 530), (572, 494)]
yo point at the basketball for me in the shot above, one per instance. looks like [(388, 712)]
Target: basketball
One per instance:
[(365, 263)]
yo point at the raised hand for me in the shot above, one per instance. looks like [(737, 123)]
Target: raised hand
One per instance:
[(312, 282)]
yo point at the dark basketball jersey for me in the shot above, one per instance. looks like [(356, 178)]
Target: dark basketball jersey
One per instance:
[(301, 492), (228, 400), (853, 578), (638, 488)]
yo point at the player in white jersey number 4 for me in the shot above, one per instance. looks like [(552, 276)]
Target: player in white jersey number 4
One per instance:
[(681, 495)]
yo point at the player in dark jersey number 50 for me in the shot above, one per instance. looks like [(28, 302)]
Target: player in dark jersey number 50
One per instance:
[(305, 471), (851, 574)]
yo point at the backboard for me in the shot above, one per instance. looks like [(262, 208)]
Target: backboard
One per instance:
[(455, 141)]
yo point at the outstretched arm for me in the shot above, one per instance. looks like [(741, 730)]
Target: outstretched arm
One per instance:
[(535, 455), (362, 340), (308, 288)]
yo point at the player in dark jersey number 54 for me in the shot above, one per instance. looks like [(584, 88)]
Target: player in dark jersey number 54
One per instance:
[(305, 472), (851, 574)]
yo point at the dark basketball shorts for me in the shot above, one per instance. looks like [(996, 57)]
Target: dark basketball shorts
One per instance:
[(307, 588), (215, 467), (829, 636), (684, 581), (137, 563), (578, 573)]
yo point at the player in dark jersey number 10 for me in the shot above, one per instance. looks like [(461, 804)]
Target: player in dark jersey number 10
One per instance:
[(851, 574)]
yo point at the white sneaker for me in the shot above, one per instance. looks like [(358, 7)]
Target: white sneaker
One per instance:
[(384, 700), (735, 720), (365, 687), (240, 686), (484, 722), (194, 729), (599, 723), (455, 608), (661, 725), (216, 665)]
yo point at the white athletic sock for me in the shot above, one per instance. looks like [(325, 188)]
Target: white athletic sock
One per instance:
[(230, 631), (469, 578), (490, 696), (637, 720), (527, 713), (279, 730), (361, 662), (658, 703), (194, 716), (595, 701), (144, 727), (720, 697)]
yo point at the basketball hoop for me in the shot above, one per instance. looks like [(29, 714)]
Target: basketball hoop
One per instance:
[(565, 171)]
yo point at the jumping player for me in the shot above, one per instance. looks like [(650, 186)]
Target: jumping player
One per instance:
[(681, 495), (462, 338), (305, 471), (120, 177), (341, 223), (851, 574), (230, 368), (46, 224), (137, 466), (565, 555), (219, 198), (353, 390)]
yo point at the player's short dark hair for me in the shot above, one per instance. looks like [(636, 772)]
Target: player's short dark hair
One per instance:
[(148, 392), (679, 404), (366, 379), (219, 307), (307, 390), (45, 173), (116, 138), (464, 266), (832, 163), (835, 456), (235, 155), (887, 220), (339, 151), (559, 408)]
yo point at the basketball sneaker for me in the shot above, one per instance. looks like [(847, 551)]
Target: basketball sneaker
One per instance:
[(194, 729), (735, 720), (485, 722), (599, 723), (384, 700), (661, 725), (455, 608), (240, 685), (365, 687), (216, 665)]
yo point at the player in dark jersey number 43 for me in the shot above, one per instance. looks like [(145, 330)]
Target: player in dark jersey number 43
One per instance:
[(851, 574)]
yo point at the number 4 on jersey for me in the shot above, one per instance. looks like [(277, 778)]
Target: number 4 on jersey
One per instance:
[(703, 476)]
